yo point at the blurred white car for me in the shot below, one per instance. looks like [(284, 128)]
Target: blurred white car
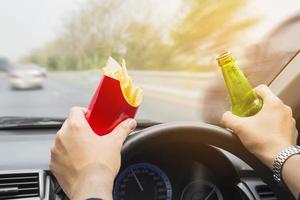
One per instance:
[(27, 76)]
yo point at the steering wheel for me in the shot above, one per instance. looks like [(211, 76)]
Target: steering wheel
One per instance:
[(202, 133)]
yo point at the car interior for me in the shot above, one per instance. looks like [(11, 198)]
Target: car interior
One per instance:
[(175, 160), (51, 56)]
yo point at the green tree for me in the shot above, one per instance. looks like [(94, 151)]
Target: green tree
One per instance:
[(145, 49), (209, 27), (123, 29)]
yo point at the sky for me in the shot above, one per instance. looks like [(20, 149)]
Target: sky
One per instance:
[(29, 24)]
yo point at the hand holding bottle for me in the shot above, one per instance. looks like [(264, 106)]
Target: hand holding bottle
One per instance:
[(268, 132)]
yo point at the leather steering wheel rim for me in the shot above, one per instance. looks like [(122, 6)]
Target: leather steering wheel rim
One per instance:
[(206, 134)]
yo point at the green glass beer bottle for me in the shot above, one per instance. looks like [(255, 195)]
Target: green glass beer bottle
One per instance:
[(244, 101)]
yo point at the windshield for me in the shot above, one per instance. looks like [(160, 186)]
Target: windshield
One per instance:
[(170, 48)]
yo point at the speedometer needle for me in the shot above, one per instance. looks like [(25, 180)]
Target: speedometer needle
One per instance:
[(137, 180)]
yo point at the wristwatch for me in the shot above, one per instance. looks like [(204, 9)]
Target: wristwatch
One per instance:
[(281, 158)]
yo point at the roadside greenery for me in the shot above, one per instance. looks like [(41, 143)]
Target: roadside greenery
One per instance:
[(126, 29)]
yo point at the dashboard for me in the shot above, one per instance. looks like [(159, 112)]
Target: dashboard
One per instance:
[(175, 171), (165, 174)]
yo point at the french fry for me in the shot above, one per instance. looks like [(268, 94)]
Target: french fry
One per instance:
[(132, 94)]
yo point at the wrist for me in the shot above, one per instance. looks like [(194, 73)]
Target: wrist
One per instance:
[(269, 155), (96, 183)]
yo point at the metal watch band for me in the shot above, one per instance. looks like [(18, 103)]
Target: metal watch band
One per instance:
[(281, 159)]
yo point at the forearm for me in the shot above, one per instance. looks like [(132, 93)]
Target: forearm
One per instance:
[(291, 174)]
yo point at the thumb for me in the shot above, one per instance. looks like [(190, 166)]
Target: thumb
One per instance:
[(123, 129), (231, 121)]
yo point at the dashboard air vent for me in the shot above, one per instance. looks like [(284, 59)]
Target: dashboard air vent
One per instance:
[(19, 185), (265, 193)]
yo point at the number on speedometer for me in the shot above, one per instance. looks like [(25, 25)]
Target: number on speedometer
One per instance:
[(142, 181)]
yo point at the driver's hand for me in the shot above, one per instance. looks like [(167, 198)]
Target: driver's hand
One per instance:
[(268, 132), (84, 163)]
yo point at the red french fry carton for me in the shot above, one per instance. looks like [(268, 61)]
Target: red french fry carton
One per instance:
[(109, 106)]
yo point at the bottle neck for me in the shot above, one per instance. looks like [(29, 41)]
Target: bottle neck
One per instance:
[(238, 86)]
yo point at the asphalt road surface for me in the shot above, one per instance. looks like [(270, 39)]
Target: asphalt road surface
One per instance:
[(58, 95)]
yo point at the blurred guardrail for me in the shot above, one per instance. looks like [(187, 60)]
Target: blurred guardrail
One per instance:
[(180, 87)]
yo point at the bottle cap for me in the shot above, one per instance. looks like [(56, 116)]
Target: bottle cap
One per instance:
[(224, 58)]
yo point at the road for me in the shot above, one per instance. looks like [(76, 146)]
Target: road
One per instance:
[(58, 95)]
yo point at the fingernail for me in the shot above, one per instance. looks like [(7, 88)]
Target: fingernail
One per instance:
[(131, 123)]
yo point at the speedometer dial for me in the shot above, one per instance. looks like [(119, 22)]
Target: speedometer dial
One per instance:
[(142, 181)]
